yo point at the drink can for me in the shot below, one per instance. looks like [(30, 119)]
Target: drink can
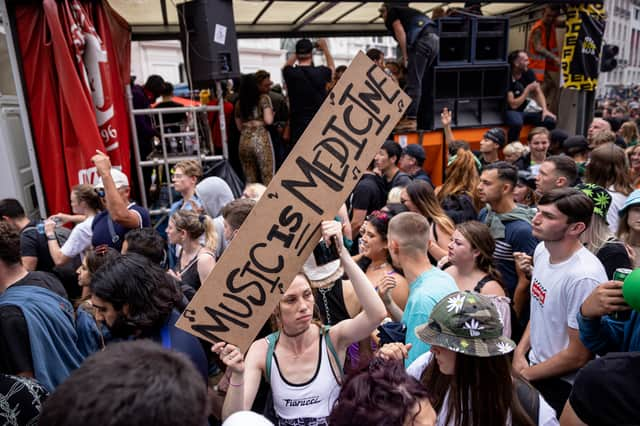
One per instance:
[(619, 275)]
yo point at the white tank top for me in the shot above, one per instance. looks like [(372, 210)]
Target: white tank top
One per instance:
[(307, 403)]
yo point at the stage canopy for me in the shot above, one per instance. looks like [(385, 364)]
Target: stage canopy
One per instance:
[(158, 19)]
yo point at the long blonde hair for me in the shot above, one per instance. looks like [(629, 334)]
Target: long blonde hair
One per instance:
[(423, 197), (196, 225), (629, 131), (597, 234)]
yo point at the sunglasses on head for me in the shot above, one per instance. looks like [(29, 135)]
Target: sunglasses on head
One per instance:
[(100, 192)]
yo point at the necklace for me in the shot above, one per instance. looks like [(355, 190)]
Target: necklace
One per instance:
[(380, 266)]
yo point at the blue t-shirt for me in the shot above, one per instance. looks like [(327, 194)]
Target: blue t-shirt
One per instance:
[(102, 233), (424, 293), (181, 341), (517, 238)]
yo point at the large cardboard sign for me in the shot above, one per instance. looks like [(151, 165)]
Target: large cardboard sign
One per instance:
[(284, 227)]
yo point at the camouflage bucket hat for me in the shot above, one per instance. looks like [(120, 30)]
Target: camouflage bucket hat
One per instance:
[(600, 197), (468, 323)]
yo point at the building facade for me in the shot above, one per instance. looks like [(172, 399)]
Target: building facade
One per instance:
[(623, 30), (165, 57)]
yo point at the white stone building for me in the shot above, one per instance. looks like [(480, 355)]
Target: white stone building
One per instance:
[(165, 57), (622, 29)]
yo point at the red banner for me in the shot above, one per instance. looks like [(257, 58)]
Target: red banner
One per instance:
[(74, 82)]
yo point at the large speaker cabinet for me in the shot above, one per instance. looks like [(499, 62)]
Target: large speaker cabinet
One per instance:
[(471, 74), (209, 43)]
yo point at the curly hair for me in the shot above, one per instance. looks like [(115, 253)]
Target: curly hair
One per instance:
[(249, 96), (143, 286), (99, 256), (9, 243), (380, 221), (383, 394)]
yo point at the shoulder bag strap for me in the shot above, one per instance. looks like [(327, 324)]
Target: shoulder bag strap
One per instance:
[(332, 350), (271, 340)]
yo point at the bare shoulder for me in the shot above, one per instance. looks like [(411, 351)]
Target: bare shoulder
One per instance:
[(257, 353), (493, 288)]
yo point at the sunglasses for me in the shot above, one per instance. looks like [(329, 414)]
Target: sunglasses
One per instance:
[(100, 192)]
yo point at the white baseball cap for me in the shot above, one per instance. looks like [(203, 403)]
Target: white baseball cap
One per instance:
[(119, 178)]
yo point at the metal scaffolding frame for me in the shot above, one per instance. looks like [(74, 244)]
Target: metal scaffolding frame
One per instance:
[(167, 160)]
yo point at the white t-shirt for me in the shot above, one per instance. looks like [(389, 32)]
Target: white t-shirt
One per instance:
[(557, 292), (617, 201), (79, 238), (546, 414)]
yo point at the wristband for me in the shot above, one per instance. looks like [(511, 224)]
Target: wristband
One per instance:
[(236, 385), (51, 237)]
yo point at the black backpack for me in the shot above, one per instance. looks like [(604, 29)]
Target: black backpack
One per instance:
[(62, 233)]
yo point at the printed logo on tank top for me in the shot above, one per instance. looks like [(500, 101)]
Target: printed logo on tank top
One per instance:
[(538, 292), (302, 402)]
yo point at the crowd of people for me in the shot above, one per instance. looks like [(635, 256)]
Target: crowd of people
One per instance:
[(490, 299)]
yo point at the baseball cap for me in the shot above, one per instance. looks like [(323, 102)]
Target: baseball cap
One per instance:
[(578, 143), (527, 179), (304, 46), (119, 178), (415, 151), (632, 200), (496, 135), (600, 197), (468, 323)]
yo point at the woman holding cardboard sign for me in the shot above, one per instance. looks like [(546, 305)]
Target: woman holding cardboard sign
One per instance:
[(302, 361)]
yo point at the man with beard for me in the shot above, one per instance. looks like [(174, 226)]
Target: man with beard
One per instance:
[(136, 299), (564, 275), (526, 103)]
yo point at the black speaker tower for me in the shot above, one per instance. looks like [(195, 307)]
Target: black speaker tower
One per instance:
[(471, 74), (209, 43)]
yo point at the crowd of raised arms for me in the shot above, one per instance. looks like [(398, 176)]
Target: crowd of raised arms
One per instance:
[(494, 298)]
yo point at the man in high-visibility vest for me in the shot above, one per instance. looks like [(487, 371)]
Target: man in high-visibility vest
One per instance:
[(544, 55)]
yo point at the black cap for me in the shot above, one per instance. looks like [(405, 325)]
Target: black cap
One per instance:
[(558, 136), (577, 143), (415, 151), (496, 135), (527, 179), (304, 47)]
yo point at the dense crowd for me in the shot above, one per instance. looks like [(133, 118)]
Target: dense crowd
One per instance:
[(494, 298)]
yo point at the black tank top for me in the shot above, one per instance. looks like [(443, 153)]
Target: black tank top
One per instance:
[(330, 303), (189, 275)]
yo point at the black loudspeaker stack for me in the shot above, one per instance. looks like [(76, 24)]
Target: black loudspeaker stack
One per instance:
[(209, 43), (471, 74)]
